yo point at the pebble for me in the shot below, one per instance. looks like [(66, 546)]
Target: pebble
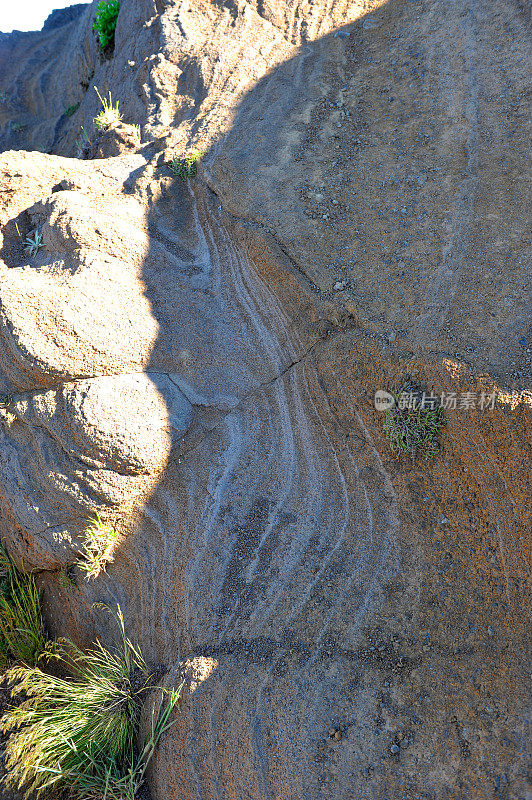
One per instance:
[(394, 749), (339, 285)]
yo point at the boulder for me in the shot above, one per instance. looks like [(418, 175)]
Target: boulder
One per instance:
[(196, 360)]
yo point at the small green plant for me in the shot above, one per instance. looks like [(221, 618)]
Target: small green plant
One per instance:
[(33, 242), (4, 97), (413, 424), (71, 110), (97, 547), (22, 633), (78, 734), (105, 22), (82, 143), (17, 127), (186, 166), (66, 577), (138, 133), (109, 115)]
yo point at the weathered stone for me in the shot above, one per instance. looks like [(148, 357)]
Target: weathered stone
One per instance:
[(179, 357)]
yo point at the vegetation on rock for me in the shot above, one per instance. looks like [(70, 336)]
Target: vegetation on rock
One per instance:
[(186, 166), (22, 634), (70, 110), (97, 548), (414, 427), (79, 733), (109, 115), (33, 243), (105, 22)]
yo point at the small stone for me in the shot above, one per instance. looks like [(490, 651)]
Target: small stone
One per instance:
[(394, 749), (490, 630), (426, 648), (339, 285), (337, 735), (401, 264)]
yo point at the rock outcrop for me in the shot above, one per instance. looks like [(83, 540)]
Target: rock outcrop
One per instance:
[(196, 362)]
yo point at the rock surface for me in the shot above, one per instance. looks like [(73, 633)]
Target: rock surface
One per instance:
[(196, 361)]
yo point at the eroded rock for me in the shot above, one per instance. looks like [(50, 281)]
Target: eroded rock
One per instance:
[(179, 358)]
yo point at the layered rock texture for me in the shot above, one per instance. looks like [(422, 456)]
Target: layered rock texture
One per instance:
[(196, 362)]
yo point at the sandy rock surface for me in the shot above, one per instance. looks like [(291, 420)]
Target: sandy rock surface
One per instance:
[(196, 361)]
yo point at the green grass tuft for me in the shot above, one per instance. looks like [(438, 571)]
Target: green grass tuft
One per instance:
[(71, 110), (79, 733), (109, 115), (22, 633), (105, 22), (97, 548), (414, 430), (82, 143), (186, 166)]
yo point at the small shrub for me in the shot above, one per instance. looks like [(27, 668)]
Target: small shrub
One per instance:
[(414, 429), (109, 115), (22, 633), (78, 734), (17, 127), (138, 132), (33, 243), (71, 110), (187, 166), (97, 548), (105, 22)]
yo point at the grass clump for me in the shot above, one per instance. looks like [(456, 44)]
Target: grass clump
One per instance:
[(22, 632), (83, 143), (78, 734), (97, 548), (186, 166), (413, 425), (71, 110), (109, 115), (105, 23)]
